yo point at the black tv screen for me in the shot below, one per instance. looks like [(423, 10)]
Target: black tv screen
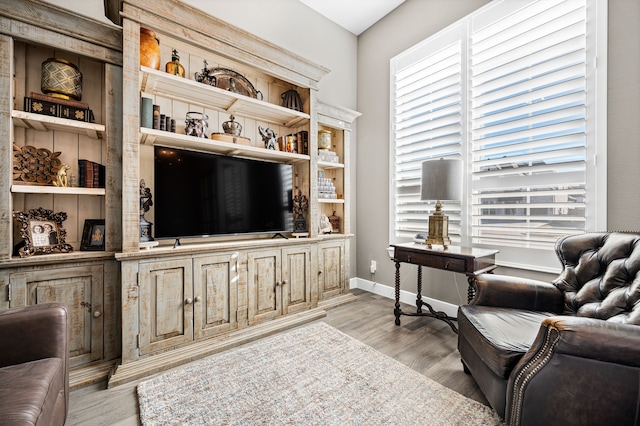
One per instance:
[(200, 194)]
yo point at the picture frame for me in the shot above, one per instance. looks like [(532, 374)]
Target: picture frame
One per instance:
[(42, 232), (93, 235)]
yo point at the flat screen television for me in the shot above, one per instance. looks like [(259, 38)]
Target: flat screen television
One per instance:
[(199, 194)]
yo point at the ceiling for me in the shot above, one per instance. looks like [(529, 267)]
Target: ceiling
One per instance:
[(353, 15)]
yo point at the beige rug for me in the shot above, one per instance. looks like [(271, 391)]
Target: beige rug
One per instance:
[(312, 375)]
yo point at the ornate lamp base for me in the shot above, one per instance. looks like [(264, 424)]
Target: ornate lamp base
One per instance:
[(438, 228)]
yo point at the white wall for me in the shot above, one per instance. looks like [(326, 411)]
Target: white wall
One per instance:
[(287, 23)]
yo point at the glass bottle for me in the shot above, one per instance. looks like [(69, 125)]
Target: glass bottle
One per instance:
[(175, 67)]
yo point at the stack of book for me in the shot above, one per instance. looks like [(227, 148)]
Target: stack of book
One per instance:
[(38, 103), (92, 175)]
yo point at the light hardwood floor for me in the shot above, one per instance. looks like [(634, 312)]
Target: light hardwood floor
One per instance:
[(424, 344)]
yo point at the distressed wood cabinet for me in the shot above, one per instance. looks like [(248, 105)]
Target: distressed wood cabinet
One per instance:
[(87, 282), (187, 299), (166, 304), (331, 270), (279, 282), (216, 283), (238, 288), (81, 289)]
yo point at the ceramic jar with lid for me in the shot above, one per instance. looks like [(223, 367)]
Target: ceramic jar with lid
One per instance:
[(61, 79), (324, 139)]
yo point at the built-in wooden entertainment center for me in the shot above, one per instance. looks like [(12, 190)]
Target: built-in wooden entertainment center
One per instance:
[(137, 310)]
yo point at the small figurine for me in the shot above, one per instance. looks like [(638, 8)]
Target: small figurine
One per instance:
[(269, 137), (145, 204), (61, 179), (205, 76)]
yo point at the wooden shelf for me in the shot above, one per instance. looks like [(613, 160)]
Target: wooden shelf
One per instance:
[(46, 189), (46, 123), (193, 92), (331, 200), (328, 165), (176, 140)]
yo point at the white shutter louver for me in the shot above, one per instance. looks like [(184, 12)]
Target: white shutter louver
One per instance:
[(528, 118), (428, 124)]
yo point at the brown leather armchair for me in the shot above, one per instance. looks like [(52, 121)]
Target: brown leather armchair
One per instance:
[(34, 365), (566, 352)]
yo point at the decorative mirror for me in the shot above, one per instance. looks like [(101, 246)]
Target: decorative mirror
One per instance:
[(42, 232)]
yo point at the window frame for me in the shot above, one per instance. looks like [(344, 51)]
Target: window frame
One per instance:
[(596, 121)]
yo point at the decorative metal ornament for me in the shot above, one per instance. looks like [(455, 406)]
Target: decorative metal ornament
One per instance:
[(35, 166), (196, 124), (232, 127), (291, 99), (300, 205), (145, 204), (42, 232), (205, 76), (269, 137)]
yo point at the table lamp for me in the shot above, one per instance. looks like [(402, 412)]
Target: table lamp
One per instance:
[(441, 180)]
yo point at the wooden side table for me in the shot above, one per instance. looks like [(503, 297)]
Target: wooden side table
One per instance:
[(466, 260)]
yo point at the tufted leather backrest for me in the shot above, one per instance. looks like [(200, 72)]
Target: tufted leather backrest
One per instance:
[(601, 276)]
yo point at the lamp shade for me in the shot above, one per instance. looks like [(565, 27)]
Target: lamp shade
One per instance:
[(441, 180)]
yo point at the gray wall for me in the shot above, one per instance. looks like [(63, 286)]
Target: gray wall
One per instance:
[(416, 20)]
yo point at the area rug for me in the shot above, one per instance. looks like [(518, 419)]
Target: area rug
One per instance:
[(312, 375)]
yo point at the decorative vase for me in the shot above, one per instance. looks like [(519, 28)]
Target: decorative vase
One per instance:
[(149, 49), (61, 79), (324, 139), (174, 67)]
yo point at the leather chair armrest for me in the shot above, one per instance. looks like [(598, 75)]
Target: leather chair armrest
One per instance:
[(579, 362), (597, 339), (34, 332), (518, 293)]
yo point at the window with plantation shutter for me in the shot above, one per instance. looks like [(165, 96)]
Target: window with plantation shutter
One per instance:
[(531, 123), (428, 125)]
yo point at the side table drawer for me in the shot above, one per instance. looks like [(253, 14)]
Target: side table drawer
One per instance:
[(431, 261)]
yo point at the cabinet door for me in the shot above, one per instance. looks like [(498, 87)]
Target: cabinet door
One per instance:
[(296, 279), (331, 278), (263, 285), (215, 290), (80, 288), (166, 304)]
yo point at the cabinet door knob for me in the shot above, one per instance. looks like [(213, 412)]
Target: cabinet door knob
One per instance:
[(189, 301), (284, 282), (277, 283), (97, 314), (198, 299)]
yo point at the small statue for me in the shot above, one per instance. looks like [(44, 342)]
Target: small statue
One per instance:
[(269, 137), (61, 179), (145, 204), (145, 198), (300, 205), (205, 76)]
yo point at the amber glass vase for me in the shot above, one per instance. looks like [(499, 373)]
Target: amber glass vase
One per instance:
[(149, 49)]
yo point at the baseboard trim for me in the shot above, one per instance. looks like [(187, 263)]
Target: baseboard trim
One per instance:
[(405, 296)]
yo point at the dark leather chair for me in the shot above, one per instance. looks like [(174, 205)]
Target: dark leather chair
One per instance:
[(34, 365), (566, 352)]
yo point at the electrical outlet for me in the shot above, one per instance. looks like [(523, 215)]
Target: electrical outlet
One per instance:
[(373, 266)]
